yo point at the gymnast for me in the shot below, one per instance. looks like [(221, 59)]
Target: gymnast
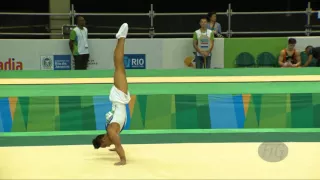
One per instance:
[(290, 57), (119, 96)]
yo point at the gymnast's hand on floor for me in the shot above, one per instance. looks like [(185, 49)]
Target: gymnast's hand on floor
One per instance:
[(113, 149), (121, 163)]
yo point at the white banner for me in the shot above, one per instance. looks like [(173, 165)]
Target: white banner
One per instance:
[(303, 42), (101, 52), (53, 54), (177, 51), (26, 54)]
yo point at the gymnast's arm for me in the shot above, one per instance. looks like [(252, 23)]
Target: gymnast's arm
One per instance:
[(118, 147), (298, 57), (72, 38), (280, 60)]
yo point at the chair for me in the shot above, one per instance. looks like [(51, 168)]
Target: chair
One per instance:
[(266, 59), (245, 59)]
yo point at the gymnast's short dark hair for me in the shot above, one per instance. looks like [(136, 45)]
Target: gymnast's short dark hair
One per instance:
[(292, 41), (96, 142), (203, 17)]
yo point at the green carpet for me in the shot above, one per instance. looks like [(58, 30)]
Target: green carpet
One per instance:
[(162, 72), (163, 136), (163, 88)]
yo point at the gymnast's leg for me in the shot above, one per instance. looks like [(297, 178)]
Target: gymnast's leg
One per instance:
[(120, 79), (120, 82)]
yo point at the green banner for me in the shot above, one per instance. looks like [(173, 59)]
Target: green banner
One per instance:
[(254, 46), (159, 111)]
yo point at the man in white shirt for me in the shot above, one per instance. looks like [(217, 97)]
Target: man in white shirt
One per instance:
[(79, 44), (203, 41)]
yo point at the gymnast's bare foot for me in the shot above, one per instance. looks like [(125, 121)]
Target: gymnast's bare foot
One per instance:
[(121, 163), (113, 149)]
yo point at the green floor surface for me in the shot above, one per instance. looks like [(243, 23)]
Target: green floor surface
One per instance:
[(164, 88), (161, 72), (163, 136)]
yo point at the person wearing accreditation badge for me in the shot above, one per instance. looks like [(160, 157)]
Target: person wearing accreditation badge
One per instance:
[(79, 45), (203, 42)]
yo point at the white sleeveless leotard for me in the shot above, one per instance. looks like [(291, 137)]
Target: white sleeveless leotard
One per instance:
[(119, 101)]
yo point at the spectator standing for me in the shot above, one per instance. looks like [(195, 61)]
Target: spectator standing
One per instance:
[(203, 42), (79, 44), (213, 24)]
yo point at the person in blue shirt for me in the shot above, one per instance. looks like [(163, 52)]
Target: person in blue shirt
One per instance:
[(213, 24)]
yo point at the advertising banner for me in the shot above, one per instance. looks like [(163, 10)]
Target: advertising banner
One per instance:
[(135, 61), (55, 62), (253, 46), (62, 62), (180, 53), (53, 54), (31, 54), (46, 62), (11, 64), (102, 53), (19, 55)]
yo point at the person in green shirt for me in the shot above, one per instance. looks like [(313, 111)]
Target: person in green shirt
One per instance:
[(79, 44), (313, 53), (203, 42)]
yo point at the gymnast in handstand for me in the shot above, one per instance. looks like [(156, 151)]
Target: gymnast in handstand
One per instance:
[(119, 96)]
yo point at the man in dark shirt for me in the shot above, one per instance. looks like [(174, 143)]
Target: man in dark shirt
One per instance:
[(312, 52)]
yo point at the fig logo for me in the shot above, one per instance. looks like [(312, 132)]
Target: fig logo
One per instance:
[(11, 64)]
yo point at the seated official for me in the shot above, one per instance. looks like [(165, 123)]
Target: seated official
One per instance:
[(312, 52)]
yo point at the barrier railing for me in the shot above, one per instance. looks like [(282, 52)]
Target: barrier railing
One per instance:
[(152, 14)]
